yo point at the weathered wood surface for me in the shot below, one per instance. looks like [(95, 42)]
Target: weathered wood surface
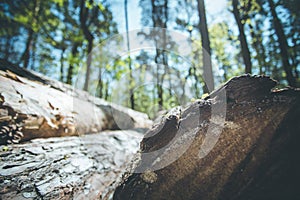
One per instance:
[(66, 167), (250, 150), (46, 108)]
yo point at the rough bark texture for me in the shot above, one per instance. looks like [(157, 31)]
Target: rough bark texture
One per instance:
[(41, 107), (83, 167), (247, 151)]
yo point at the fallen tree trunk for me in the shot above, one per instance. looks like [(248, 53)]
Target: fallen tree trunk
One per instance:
[(33, 106), (86, 167), (66, 167), (241, 142)]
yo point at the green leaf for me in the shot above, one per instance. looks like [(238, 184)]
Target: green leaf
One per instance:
[(59, 2), (101, 7), (88, 5)]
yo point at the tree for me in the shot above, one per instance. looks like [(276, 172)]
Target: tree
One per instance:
[(257, 43), (72, 38), (219, 37), (10, 31), (188, 21), (131, 92), (155, 14), (283, 45), (25, 22), (207, 65), (242, 37), (95, 20), (160, 19), (74, 60), (34, 20), (84, 23), (293, 33)]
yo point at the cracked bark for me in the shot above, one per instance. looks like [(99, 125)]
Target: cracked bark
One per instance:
[(48, 108)]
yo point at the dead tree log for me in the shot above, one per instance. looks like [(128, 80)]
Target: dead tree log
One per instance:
[(34, 106), (66, 167), (241, 142)]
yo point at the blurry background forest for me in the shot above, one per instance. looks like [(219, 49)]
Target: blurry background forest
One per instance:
[(71, 41)]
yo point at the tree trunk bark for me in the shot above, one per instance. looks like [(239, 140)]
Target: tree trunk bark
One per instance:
[(83, 15), (71, 65), (34, 53), (131, 91), (242, 37), (66, 168), (283, 46), (62, 65), (241, 142), (160, 19), (82, 167), (100, 84), (26, 55), (206, 51), (48, 108), (88, 63)]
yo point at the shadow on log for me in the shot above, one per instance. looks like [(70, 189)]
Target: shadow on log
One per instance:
[(241, 142)]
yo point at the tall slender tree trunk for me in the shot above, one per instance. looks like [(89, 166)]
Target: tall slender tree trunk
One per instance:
[(159, 19), (283, 45), (242, 38), (259, 47), (295, 61), (99, 88), (34, 53), (88, 64), (26, 54), (71, 65), (206, 51), (62, 65), (100, 84), (106, 91), (83, 16), (131, 91)]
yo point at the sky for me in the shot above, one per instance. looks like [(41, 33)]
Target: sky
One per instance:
[(214, 9), (134, 14)]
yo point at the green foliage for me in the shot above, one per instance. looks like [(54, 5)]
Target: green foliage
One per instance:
[(54, 36)]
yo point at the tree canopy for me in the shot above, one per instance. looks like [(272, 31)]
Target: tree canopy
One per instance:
[(81, 43)]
